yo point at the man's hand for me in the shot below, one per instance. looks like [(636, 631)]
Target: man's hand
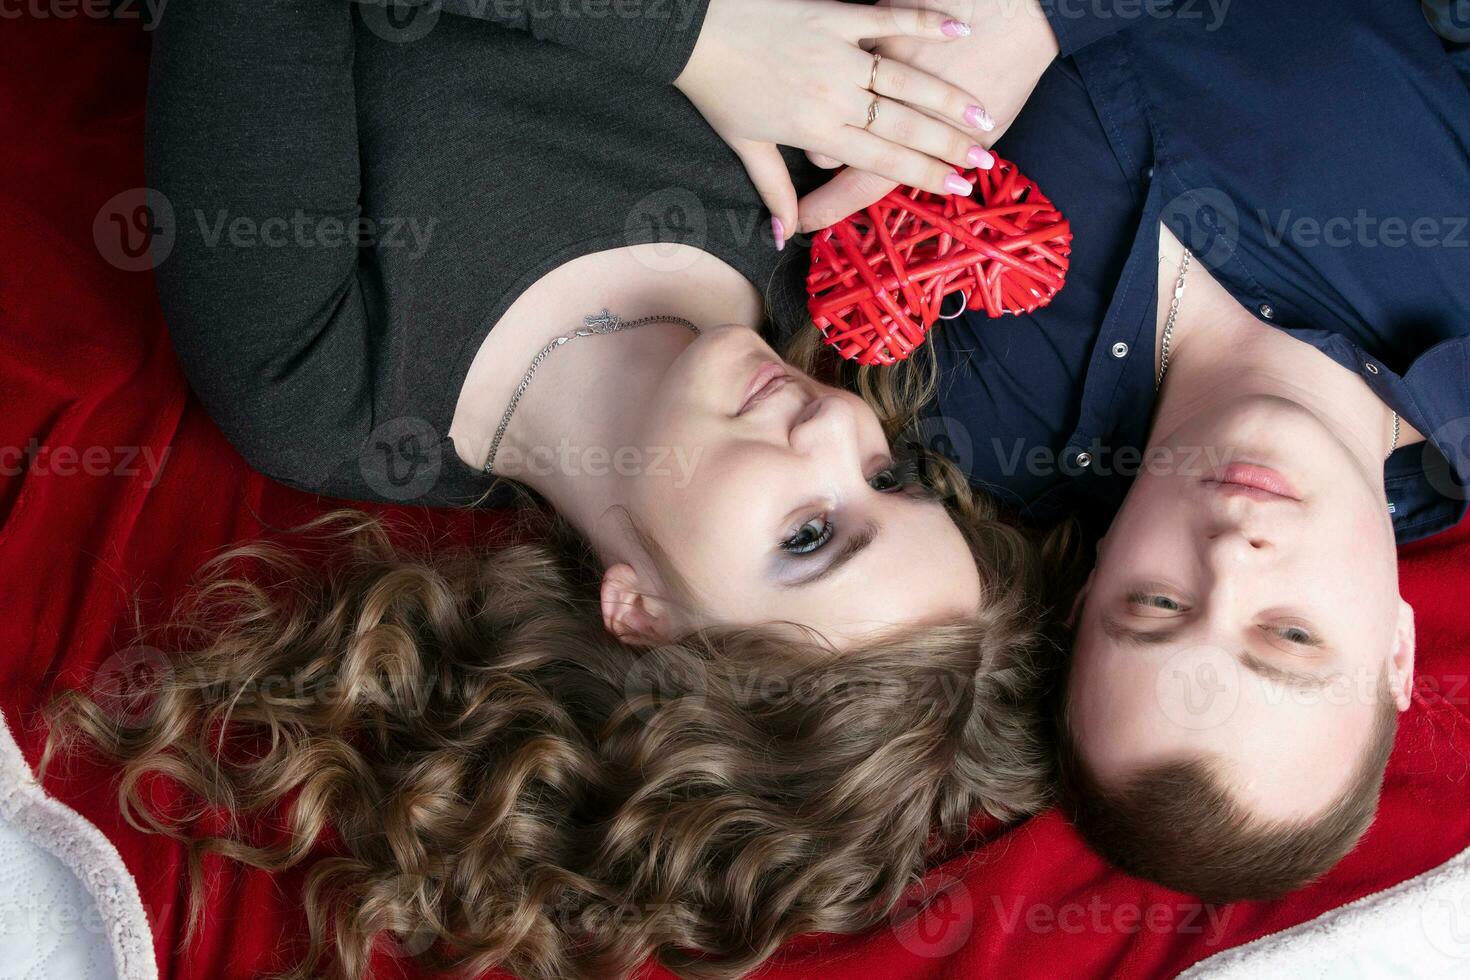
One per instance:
[(998, 64)]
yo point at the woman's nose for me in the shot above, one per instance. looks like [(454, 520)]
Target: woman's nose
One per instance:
[(824, 420)]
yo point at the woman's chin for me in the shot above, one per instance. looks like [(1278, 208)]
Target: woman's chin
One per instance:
[(714, 368)]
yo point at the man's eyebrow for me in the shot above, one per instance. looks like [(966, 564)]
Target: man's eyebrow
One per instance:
[(1119, 633), (1293, 678), (859, 540)]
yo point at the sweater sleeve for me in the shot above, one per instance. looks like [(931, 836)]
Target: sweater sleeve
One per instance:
[(653, 38), (252, 141)]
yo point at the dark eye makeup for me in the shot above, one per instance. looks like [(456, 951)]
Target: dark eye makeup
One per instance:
[(898, 476)]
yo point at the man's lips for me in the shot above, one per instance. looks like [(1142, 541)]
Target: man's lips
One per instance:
[(766, 379), (1255, 482)]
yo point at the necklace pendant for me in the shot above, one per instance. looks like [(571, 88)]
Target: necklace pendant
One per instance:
[(603, 319)]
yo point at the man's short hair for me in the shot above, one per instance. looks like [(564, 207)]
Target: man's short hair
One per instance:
[(1175, 824)]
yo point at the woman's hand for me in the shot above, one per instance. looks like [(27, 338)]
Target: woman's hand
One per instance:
[(765, 72), (1000, 62)]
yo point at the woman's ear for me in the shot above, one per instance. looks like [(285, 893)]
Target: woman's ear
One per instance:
[(629, 612), (1401, 663)]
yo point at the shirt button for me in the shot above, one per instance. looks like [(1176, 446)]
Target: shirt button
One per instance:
[(1120, 349), (1148, 174), (1084, 459), (1267, 310), (1371, 367)]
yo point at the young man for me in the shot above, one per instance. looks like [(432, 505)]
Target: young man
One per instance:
[(1242, 651)]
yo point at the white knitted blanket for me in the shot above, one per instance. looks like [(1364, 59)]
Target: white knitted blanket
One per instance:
[(1419, 928), (68, 906)]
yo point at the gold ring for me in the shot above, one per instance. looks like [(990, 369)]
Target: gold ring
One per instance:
[(872, 112), (873, 75)]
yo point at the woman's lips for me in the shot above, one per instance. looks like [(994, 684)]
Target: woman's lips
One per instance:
[(1256, 482), (766, 379)]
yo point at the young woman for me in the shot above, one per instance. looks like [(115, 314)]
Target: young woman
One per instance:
[(761, 662), (502, 189)]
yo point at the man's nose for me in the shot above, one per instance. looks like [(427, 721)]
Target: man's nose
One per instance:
[(1233, 545)]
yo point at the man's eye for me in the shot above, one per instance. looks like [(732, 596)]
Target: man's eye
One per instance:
[(809, 537), (1296, 634), (1156, 600)]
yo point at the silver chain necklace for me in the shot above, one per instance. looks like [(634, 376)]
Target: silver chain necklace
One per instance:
[(1169, 336), (596, 323), (1169, 322)]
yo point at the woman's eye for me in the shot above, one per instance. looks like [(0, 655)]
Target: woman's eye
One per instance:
[(893, 478), (809, 537), (1155, 600), (886, 481), (896, 476)]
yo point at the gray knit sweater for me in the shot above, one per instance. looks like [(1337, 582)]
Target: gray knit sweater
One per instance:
[(356, 194)]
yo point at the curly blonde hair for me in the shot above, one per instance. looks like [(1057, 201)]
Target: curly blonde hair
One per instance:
[(468, 762)]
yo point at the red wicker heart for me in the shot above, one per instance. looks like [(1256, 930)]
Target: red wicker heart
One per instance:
[(878, 277)]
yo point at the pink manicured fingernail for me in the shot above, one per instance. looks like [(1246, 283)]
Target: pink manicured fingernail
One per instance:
[(980, 157), (955, 184), (779, 233), (976, 116), (955, 28)]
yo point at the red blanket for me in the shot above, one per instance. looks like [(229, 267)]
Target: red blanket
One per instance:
[(115, 485)]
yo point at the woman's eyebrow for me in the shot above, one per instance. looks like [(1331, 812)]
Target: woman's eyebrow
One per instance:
[(859, 540)]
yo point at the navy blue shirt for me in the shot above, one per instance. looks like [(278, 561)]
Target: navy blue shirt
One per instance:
[(1314, 155)]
